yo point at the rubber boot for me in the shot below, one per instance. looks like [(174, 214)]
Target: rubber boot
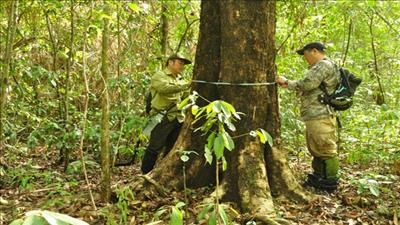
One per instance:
[(313, 179), (330, 180)]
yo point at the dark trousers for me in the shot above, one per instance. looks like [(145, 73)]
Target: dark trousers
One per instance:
[(164, 134)]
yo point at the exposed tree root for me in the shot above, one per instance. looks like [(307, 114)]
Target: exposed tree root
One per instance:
[(271, 221), (159, 188)]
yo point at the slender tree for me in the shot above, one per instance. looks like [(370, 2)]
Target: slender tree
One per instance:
[(105, 108), (237, 45), (7, 67)]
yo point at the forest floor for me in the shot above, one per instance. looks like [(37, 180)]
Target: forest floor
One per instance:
[(368, 194)]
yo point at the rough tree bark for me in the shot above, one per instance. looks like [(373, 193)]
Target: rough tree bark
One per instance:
[(237, 45), (105, 109)]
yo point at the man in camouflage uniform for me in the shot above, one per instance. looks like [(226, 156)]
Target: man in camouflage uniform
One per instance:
[(320, 119), (167, 89)]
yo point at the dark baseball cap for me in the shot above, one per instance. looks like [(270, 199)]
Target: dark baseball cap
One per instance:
[(317, 45), (176, 56)]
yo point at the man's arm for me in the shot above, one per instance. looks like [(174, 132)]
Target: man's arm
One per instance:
[(312, 79), (163, 86)]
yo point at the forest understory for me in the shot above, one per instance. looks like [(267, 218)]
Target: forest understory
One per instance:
[(368, 194)]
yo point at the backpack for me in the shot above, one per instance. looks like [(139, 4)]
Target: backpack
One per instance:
[(342, 98)]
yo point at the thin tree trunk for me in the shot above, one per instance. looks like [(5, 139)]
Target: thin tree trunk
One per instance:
[(7, 69), (85, 110), (380, 97), (164, 28), (105, 147), (67, 80)]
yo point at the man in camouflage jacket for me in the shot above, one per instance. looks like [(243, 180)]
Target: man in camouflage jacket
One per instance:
[(320, 119), (167, 89)]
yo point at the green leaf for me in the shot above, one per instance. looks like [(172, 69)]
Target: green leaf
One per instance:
[(180, 205), (183, 103), (204, 212), (159, 212), (374, 190), (228, 142), (210, 140), (228, 106), (34, 220), (225, 109), (134, 7), (223, 215), (212, 220), (176, 217), (184, 158), (17, 222), (195, 109), (216, 107), (207, 154), (219, 146), (224, 164), (264, 137)]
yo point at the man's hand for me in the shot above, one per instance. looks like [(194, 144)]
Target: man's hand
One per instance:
[(282, 81)]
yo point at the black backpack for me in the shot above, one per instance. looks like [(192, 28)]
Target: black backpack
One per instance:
[(342, 98)]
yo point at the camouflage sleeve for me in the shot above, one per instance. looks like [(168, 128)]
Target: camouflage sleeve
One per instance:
[(312, 79), (162, 84)]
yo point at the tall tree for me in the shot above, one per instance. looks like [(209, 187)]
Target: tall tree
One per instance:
[(237, 45), (7, 67), (105, 108)]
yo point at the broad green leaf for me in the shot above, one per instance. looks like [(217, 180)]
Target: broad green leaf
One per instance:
[(210, 140), (225, 110), (228, 106), (219, 146), (212, 220), (264, 137), (159, 212), (176, 217), (228, 142), (180, 205), (34, 220), (17, 222), (216, 107), (230, 125), (204, 212), (208, 154), (374, 190), (61, 219)]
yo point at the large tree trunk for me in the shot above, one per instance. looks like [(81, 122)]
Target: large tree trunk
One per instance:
[(237, 45)]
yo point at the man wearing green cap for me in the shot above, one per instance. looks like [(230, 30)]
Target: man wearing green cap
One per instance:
[(167, 89), (319, 118)]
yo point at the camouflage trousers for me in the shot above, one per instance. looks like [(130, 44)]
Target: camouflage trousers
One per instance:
[(321, 137)]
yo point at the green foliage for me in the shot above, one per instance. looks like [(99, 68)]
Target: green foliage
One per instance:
[(210, 215), (39, 217), (373, 184), (124, 195), (176, 214)]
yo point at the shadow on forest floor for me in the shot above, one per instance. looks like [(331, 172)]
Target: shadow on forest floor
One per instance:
[(368, 194)]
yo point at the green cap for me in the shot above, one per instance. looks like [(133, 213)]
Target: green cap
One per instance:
[(176, 56)]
